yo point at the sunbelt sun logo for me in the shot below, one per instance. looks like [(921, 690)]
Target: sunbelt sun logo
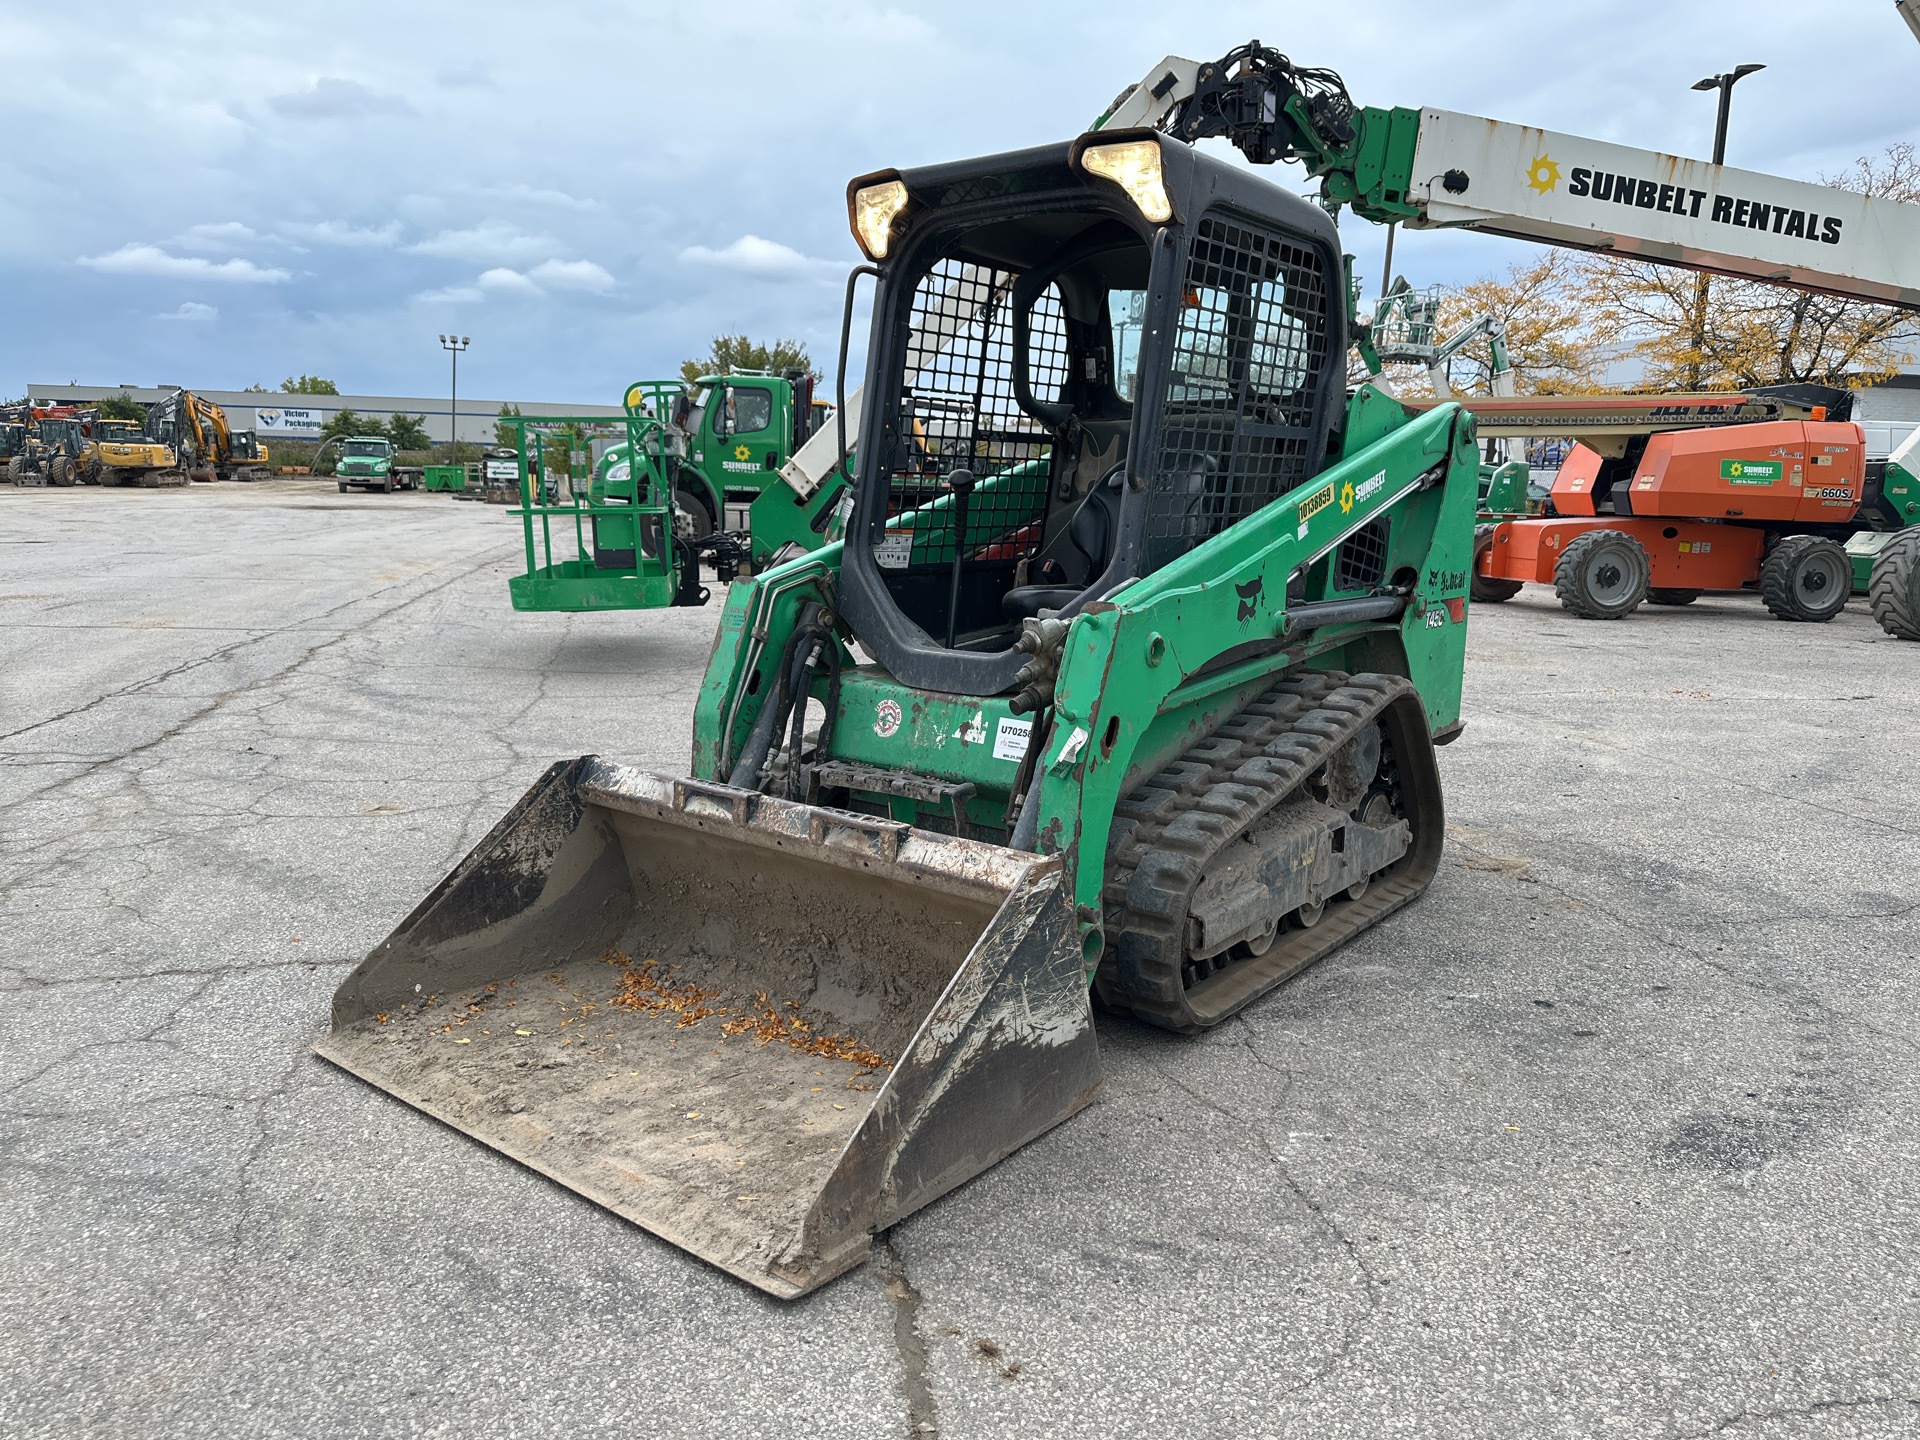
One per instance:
[(1543, 174), (1750, 472)]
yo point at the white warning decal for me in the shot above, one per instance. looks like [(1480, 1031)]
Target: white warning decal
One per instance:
[(1010, 738)]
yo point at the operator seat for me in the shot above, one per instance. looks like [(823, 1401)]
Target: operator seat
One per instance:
[(1091, 532), (1094, 533)]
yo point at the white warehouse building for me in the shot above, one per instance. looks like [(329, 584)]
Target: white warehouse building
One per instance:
[(299, 417)]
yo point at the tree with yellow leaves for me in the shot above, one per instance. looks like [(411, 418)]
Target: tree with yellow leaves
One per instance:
[(1694, 332), (1548, 340)]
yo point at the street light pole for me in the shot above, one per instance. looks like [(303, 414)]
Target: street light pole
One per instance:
[(1724, 84), (453, 345)]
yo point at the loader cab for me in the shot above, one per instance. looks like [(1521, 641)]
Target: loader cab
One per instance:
[(1072, 381)]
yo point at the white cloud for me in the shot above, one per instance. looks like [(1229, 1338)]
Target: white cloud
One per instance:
[(518, 192), (152, 260), (332, 98), (491, 241), (502, 279), (227, 235), (570, 275), (452, 295), (751, 255), (190, 310), (350, 237)]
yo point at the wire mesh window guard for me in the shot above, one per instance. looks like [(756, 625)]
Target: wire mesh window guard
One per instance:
[(1247, 358), (958, 410), (1361, 561)]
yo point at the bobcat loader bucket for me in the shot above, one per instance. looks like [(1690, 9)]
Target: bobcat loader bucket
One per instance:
[(760, 1030)]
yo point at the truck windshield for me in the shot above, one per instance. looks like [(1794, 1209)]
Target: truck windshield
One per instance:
[(365, 447), (752, 409)]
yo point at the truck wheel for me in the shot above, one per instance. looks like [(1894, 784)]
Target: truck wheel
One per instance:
[(1602, 575), (386, 486), (1806, 577), (17, 469), (62, 471), (692, 520), (343, 487), (1484, 589), (1893, 591), (1673, 597)]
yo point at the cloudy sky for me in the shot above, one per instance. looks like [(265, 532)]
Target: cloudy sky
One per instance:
[(222, 196)]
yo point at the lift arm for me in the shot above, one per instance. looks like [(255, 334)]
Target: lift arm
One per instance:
[(1435, 169)]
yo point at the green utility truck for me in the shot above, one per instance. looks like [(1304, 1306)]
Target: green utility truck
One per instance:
[(369, 462), (727, 439)]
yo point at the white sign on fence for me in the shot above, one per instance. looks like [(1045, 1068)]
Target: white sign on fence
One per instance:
[(291, 422)]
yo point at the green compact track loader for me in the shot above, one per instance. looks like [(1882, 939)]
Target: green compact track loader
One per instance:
[(1124, 682)]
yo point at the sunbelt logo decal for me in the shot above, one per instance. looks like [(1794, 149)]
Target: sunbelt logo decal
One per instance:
[(742, 460), (1604, 187), (1750, 472)]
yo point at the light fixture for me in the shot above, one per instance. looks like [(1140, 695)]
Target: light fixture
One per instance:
[(1133, 165), (875, 208)]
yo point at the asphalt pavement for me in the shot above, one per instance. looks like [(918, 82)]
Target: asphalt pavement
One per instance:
[(1612, 1134)]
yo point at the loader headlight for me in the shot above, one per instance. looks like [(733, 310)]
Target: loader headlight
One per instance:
[(1133, 165), (875, 208)]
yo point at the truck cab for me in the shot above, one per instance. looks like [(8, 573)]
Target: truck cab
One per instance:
[(370, 463), (741, 428)]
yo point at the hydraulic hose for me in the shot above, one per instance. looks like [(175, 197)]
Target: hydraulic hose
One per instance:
[(746, 772)]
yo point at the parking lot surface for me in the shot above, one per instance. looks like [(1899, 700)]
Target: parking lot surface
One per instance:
[(1613, 1133)]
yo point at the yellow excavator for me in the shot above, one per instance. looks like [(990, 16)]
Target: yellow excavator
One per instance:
[(206, 446), (120, 452)]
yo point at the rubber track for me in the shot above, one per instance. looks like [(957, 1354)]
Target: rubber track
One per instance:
[(1167, 831), (1892, 594)]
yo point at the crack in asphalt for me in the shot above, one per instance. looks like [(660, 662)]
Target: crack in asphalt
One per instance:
[(923, 1421), (1774, 989), (221, 698), (1745, 1416), (1352, 1333)]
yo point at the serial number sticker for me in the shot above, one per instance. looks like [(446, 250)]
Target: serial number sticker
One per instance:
[(1436, 619), (1010, 738), (1316, 502), (894, 551)]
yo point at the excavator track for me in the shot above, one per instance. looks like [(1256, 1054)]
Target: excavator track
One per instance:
[(1195, 823)]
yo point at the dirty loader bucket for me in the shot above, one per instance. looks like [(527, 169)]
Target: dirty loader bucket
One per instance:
[(760, 1030)]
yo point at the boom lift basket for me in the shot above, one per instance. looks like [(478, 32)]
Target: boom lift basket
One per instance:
[(761, 1030)]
